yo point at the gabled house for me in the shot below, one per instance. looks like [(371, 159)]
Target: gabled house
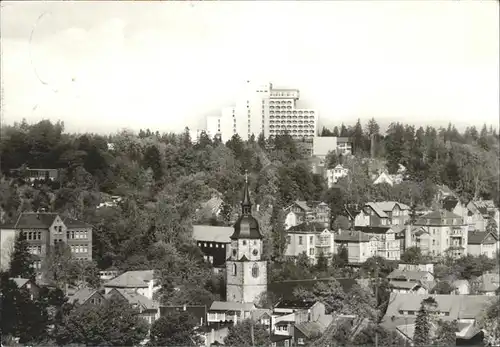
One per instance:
[(87, 296), (487, 284), (29, 285), (387, 245), (148, 308), (383, 213), (223, 312), (384, 176), (359, 245), (313, 239), (480, 212), (402, 280), (305, 332), (302, 211), (483, 243), (142, 282)]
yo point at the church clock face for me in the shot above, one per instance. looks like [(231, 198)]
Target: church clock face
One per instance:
[(255, 252)]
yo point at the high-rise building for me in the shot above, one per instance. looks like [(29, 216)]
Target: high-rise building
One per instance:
[(262, 109)]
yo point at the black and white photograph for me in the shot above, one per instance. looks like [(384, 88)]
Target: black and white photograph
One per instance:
[(250, 173)]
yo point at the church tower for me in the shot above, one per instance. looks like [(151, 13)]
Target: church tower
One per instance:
[(246, 272)]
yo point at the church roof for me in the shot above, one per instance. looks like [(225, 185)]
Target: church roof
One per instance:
[(246, 227)]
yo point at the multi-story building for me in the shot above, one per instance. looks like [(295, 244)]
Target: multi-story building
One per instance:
[(441, 232), (44, 230), (302, 211), (213, 241), (333, 175), (382, 214), (313, 239), (387, 245), (360, 246), (260, 108), (324, 144)]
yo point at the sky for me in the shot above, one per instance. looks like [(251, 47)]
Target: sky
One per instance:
[(104, 66)]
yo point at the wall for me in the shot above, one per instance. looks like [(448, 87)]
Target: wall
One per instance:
[(7, 241)]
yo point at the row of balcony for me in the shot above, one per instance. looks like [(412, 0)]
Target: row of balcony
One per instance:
[(272, 110), (300, 127), (293, 132), (291, 121)]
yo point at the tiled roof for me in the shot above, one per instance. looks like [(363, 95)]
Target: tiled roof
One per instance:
[(437, 217), (231, 306), (210, 233), (310, 329), (351, 236), (388, 206), (35, 220), (81, 295), (259, 312), (308, 226), (132, 279), (377, 210), (481, 237), (458, 306), (134, 298), (449, 203), (374, 230), (295, 304), (303, 205)]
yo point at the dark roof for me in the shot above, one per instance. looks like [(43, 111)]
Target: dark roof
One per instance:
[(284, 289), (278, 338), (437, 218), (246, 227), (35, 220), (308, 226), (373, 230), (481, 237)]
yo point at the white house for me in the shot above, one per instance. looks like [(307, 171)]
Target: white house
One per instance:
[(333, 175)]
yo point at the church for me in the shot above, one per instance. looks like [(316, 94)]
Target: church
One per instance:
[(246, 271)]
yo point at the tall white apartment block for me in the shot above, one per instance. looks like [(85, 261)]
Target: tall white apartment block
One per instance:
[(262, 109)]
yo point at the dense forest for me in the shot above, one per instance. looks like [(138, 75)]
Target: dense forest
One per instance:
[(165, 178)]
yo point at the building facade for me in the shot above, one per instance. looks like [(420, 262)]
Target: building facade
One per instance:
[(246, 271), (260, 108), (42, 232), (388, 246), (301, 211), (312, 239), (383, 213), (333, 175), (440, 233)]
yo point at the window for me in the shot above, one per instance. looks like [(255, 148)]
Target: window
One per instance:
[(288, 240), (311, 239), (234, 269), (244, 242), (300, 240), (311, 251), (255, 271), (300, 341)]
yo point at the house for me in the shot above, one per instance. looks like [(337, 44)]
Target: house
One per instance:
[(333, 175), (387, 245), (222, 312), (352, 324), (404, 280), (140, 282), (384, 176), (302, 211), (42, 231), (36, 174), (29, 285), (359, 245), (483, 243), (382, 214), (263, 317), (304, 332), (444, 191), (465, 309), (148, 308), (214, 242), (87, 296), (312, 239), (440, 232), (480, 212), (454, 205)]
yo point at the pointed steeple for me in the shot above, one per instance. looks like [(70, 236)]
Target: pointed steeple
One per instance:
[(246, 205)]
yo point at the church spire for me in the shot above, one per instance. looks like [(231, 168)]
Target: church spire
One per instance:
[(246, 205)]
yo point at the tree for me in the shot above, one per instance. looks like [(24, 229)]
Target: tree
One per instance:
[(412, 255), (422, 335), (174, 329), (492, 226), (21, 263), (115, 323), (446, 334), (489, 322), (246, 334), (57, 266)]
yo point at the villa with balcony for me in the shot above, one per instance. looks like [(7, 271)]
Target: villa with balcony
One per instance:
[(313, 239)]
